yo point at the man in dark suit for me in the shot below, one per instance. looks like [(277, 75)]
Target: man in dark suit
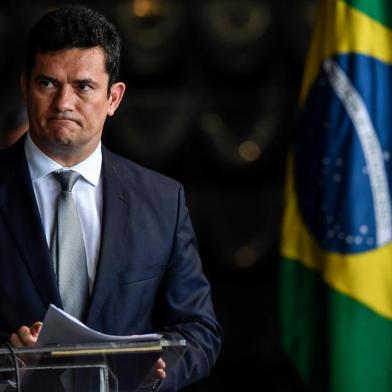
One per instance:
[(144, 271)]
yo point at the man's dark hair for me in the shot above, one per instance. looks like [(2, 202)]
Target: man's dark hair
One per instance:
[(75, 27)]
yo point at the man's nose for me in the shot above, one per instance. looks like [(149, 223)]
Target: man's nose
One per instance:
[(64, 100)]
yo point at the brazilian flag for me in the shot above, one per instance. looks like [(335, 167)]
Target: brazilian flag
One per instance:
[(336, 274)]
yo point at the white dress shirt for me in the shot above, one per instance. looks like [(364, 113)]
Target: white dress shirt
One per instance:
[(87, 194)]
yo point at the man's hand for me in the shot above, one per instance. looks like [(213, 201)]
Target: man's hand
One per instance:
[(157, 373), (160, 369), (26, 336)]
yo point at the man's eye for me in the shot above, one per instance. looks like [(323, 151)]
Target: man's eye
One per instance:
[(84, 87), (46, 83)]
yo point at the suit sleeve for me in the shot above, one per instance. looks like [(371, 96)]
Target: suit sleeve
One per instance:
[(186, 307)]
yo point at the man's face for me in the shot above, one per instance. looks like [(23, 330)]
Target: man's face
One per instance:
[(67, 100)]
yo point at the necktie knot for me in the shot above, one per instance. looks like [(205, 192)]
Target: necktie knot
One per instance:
[(67, 179)]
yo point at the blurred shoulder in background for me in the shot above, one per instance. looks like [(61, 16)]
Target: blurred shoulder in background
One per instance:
[(13, 124)]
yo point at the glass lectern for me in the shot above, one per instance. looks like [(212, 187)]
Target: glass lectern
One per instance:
[(104, 367)]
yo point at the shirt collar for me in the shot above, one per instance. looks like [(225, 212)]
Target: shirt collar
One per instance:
[(40, 165)]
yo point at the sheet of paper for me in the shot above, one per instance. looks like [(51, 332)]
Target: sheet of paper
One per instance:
[(61, 328)]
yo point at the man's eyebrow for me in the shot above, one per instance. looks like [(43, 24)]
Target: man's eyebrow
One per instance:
[(45, 77), (85, 81)]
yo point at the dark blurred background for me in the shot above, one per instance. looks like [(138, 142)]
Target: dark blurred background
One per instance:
[(212, 102)]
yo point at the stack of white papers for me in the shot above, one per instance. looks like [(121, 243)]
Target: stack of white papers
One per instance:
[(60, 327)]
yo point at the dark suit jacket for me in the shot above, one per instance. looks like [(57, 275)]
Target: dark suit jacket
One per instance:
[(149, 276)]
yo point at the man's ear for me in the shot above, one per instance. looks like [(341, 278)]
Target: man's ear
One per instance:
[(24, 85), (116, 94)]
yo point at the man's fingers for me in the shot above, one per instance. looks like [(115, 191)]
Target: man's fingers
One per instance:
[(15, 341), (23, 338), (160, 366), (24, 334), (35, 329), (160, 373)]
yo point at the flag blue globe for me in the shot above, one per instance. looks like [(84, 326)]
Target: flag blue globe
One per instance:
[(342, 165)]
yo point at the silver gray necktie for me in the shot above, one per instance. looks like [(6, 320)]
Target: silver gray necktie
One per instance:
[(68, 251)]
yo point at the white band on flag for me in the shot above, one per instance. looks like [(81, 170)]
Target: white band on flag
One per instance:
[(357, 111)]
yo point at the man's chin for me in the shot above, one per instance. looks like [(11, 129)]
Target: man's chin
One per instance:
[(61, 140), (61, 136)]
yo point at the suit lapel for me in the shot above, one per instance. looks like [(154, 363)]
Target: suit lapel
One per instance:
[(18, 209), (115, 219)]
